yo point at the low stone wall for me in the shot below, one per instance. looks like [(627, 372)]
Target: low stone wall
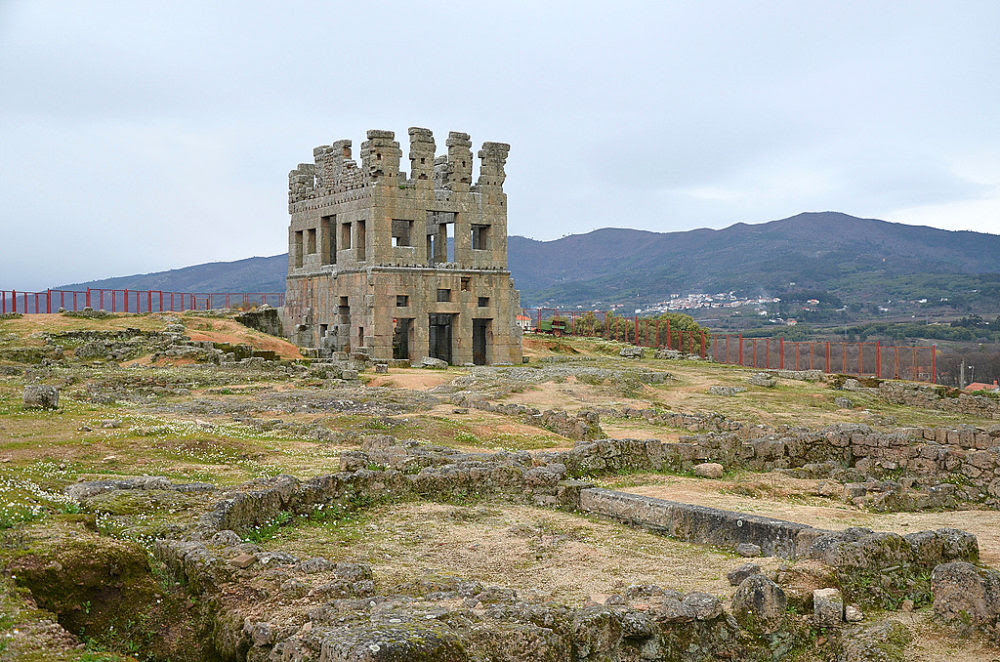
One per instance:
[(939, 397), (692, 523), (576, 425), (874, 569), (264, 319), (691, 422), (967, 456), (725, 528)]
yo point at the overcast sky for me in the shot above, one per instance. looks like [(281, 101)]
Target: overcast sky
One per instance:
[(138, 137)]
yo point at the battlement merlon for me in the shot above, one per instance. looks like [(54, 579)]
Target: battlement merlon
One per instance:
[(334, 170), (493, 158), (380, 156), (459, 164), (422, 156), (301, 182)]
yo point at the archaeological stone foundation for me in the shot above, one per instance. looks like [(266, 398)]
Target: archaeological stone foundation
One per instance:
[(402, 266)]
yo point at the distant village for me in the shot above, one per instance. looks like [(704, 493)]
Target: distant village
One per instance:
[(701, 300)]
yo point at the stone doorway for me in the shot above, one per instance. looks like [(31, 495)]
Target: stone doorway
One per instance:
[(440, 337), (480, 341), (401, 338)]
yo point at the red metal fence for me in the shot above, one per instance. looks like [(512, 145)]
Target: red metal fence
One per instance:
[(644, 332), (131, 301), (870, 359)]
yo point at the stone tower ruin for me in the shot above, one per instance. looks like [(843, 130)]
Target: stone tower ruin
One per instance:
[(402, 266)]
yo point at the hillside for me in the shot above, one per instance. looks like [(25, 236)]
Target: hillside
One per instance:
[(862, 260)]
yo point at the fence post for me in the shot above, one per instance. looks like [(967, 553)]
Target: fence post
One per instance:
[(703, 343), (827, 370), (781, 353), (767, 353), (3, 302), (48, 301), (668, 334), (934, 364), (843, 357), (727, 348), (861, 358), (636, 336), (741, 349), (796, 355), (755, 352)]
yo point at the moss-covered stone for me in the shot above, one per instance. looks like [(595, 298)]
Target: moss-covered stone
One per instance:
[(106, 592)]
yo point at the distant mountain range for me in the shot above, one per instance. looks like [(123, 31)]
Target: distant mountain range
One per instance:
[(859, 259)]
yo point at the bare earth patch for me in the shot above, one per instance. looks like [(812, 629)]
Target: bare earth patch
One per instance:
[(415, 380)]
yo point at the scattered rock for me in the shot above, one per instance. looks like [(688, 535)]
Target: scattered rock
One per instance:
[(885, 642), (828, 607), (725, 391), (737, 576), (748, 549), (762, 379), (669, 354), (630, 352), (433, 363), (964, 593), (315, 564), (91, 350), (243, 560), (843, 403), (760, 604), (41, 396), (852, 614), (708, 470), (381, 368)]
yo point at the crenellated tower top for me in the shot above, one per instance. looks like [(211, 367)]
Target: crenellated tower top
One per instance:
[(335, 171)]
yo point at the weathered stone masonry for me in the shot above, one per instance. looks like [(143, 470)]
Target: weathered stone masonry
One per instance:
[(404, 266)]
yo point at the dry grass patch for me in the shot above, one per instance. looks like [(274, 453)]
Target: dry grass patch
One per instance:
[(561, 556)]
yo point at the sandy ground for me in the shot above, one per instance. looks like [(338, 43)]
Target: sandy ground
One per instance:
[(415, 380), (230, 331)]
